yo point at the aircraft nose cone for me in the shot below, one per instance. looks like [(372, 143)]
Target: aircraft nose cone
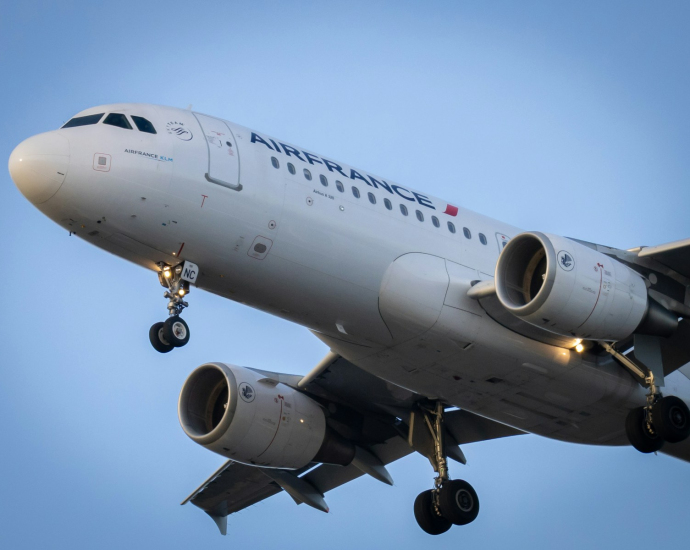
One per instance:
[(38, 166)]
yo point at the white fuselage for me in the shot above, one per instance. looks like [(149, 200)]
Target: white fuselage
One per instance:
[(385, 290)]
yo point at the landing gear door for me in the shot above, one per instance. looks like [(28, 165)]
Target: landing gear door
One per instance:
[(223, 161)]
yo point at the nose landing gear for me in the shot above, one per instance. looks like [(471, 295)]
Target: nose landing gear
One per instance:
[(450, 502), (174, 332)]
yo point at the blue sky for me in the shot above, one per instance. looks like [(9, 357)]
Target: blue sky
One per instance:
[(569, 118)]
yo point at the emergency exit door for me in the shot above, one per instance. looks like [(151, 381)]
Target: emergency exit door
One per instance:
[(223, 159)]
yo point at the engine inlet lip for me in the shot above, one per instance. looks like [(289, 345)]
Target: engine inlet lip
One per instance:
[(502, 268), (187, 418)]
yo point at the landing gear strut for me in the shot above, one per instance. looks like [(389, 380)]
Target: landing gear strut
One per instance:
[(174, 332), (450, 502), (662, 419)]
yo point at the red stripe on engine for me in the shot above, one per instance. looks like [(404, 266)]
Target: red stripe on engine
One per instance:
[(280, 416), (601, 282)]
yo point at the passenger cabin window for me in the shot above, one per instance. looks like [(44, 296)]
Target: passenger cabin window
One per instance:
[(275, 163), (339, 185), (119, 120), (307, 174), (324, 180), (143, 125), (420, 216), (403, 209), (355, 192), (435, 221), (451, 227), (388, 204), (482, 238), (83, 120), (467, 233), (291, 168), (372, 198)]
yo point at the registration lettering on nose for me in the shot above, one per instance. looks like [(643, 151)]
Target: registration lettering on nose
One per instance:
[(190, 272)]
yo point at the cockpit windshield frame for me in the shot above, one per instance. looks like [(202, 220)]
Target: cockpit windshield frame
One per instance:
[(143, 125), (85, 120), (119, 120)]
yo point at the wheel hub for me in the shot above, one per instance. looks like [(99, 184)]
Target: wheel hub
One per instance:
[(179, 331), (678, 418), (464, 500), (161, 337)]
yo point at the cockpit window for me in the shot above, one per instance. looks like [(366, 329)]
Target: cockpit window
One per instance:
[(83, 120), (119, 120), (143, 125)]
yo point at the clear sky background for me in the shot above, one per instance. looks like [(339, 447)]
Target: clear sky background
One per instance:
[(566, 117)]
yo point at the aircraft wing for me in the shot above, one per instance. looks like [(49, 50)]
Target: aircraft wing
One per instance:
[(675, 255), (234, 486)]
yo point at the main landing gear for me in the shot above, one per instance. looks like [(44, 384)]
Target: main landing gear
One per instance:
[(663, 419), (173, 332), (450, 502)]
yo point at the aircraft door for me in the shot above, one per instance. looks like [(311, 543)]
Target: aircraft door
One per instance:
[(223, 158)]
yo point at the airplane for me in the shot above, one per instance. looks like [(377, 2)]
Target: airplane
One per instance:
[(445, 327)]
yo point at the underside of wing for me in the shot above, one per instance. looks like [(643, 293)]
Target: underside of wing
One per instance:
[(382, 413), (231, 488)]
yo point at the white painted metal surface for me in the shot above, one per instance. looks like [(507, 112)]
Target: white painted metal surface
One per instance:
[(223, 162), (329, 266), (265, 423), (584, 293)]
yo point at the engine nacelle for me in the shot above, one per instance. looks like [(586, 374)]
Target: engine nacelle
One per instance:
[(570, 289), (249, 418)]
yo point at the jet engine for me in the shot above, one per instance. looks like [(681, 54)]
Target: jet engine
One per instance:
[(570, 289), (242, 415)]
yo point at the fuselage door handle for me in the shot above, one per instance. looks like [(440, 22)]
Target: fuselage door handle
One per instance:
[(233, 186)]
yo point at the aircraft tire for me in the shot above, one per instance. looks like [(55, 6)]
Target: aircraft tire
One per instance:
[(176, 331), (426, 517), (459, 502), (157, 339), (639, 435), (672, 418)]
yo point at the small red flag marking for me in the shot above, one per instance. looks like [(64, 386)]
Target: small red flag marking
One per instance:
[(451, 210)]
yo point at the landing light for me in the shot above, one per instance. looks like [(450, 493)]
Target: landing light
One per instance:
[(181, 292), (579, 348), (167, 273)]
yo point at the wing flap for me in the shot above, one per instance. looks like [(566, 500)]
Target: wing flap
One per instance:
[(232, 488)]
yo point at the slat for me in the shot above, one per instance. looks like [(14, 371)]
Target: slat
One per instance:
[(675, 255)]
